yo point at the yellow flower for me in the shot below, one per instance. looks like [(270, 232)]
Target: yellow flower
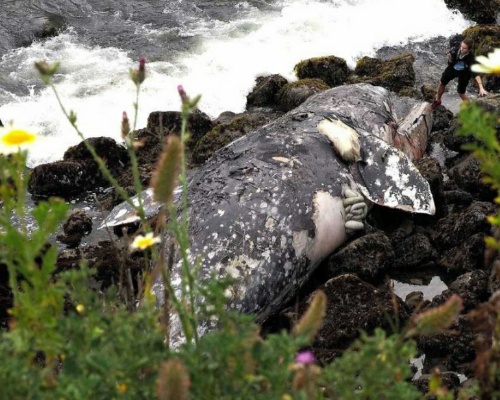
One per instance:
[(488, 65), (122, 387), (143, 242), (13, 139), (80, 308)]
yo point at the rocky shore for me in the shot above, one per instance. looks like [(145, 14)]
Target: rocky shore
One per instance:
[(358, 278)]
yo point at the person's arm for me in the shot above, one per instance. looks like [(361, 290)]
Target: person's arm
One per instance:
[(479, 81)]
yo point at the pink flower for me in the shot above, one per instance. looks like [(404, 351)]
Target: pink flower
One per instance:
[(182, 93), (305, 358)]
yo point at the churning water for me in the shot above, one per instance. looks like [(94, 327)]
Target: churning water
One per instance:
[(212, 48)]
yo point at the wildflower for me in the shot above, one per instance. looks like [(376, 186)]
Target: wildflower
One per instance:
[(182, 93), (13, 139), (46, 70), (139, 75), (80, 308), (121, 387), (489, 64), (305, 358), (125, 126), (143, 242)]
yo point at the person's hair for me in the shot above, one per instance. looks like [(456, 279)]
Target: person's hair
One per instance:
[(468, 42)]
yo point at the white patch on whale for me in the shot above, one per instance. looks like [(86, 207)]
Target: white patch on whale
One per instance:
[(345, 139)]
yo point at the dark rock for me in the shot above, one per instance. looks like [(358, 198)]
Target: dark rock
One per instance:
[(414, 300), (78, 172), (6, 297), (107, 259), (77, 226), (471, 287), (114, 155), (491, 83), (451, 349), (331, 70), (368, 257), (490, 104), (162, 123), (467, 257), (395, 74), (449, 380), (469, 177), (458, 197), (63, 178), (458, 227), (352, 306), (265, 91), (295, 93), (441, 118), (48, 26), (414, 251), (454, 142), (224, 133)]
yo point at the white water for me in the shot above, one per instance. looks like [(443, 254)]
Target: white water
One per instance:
[(94, 81)]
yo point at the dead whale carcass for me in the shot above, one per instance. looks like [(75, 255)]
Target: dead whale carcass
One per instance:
[(267, 208)]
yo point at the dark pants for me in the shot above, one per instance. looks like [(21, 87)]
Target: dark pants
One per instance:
[(451, 73)]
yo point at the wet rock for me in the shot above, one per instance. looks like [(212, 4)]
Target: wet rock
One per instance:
[(467, 257), (224, 133), (451, 349), (491, 103), (162, 123), (295, 93), (352, 306), (458, 227), (331, 70), (368, 257), (6, 297), (78, 172), (65, 179), (48, 26), (414, 251), (265, 91), (471, 287), (395, 74), (77, 226), (494, 278), (441, 118), (469, 177), (114, 155), (454, 142)]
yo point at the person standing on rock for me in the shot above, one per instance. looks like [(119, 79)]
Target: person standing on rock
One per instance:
[(459, 63)]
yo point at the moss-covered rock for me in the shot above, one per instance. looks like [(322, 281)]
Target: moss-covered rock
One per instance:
[(480, 11), (295, 93), (265, 91), (226, 132), (331, 70), (396, 74), (485, 38), (164, 122)]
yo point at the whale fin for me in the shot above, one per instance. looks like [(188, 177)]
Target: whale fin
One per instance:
[(387, 177)]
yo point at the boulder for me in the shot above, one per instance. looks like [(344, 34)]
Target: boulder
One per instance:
[(368, 257), (226, 132), (458, 227), (480, 11), (162, 123), (294, 94), (331, 70), (472, 288), (354, 306), (485, 38), (77, 226), (265, 91), (415, 251), (469, 177), (396, 74), (469, 256)]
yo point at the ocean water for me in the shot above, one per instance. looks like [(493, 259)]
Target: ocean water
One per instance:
[(212, 48)]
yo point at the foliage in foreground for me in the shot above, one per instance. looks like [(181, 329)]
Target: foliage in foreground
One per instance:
[(66, 341)]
